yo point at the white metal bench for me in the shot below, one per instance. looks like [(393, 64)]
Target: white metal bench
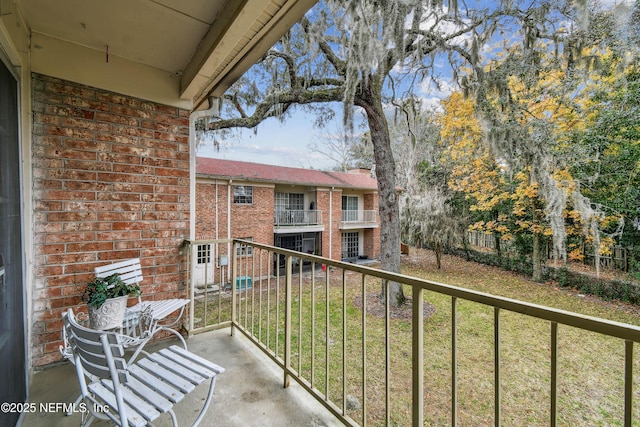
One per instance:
[(146, 318), (133, 394)]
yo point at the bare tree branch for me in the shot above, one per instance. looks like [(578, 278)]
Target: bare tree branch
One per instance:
[(265, 109)]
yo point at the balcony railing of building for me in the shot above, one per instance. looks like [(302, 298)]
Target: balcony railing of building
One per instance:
[(298, 218), (359, 217), (371, 371)]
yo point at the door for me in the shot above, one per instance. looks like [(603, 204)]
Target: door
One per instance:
[(287, 241), (349, 208), (350, 245), (12, 341), (204, 270)]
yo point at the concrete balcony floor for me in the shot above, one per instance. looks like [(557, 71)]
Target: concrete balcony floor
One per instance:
[(248, 393)]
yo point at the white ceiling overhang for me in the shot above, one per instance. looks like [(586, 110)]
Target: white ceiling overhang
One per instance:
[(177, 52)]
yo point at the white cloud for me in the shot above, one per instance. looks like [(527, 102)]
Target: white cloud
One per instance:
[(608, 4), (438, 88)]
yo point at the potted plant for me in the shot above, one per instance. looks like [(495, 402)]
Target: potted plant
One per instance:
[(106, 299)]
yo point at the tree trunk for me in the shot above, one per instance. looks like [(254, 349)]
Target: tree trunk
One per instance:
[(438, 249), (389, 210), (496, 241), (465, 245), (537, 243), (537, 257)]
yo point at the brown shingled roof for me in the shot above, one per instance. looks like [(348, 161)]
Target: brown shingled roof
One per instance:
[(233, 169)]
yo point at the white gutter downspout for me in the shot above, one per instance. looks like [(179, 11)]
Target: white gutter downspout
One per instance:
[(217, 212), (216, 256), (195, 115), (331, 223), (229, 254)]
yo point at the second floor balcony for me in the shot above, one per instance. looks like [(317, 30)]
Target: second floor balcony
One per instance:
[(297, 218), (359, 219)]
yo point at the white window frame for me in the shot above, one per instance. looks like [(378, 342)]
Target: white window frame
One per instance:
[(347, 243), (349, 213), (246, 198), (244, 249), (203, 254)]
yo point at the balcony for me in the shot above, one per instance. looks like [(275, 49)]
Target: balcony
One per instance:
[(359, 219), (297, 328), (297, 220), (367, 368), (249, 393)]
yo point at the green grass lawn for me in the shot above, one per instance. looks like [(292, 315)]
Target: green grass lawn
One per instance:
[(590, 390)]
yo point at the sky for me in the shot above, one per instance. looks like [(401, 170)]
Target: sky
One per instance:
[(275, 143)]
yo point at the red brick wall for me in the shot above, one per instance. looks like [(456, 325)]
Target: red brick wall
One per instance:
[(336, 214), (370, 201), (330, 203), (111, 181), (371, 238), (253, 221), (206, 210), (256, 220), (248, 220), (372, 235)]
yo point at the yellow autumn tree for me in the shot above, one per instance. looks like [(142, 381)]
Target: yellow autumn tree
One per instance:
[(510, 153), (474, 169)]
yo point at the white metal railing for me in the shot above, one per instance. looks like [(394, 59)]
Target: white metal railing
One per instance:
[(299, 316), (297, 217), (359, 216)]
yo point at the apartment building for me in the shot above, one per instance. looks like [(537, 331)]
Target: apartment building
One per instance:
[(323, 213)]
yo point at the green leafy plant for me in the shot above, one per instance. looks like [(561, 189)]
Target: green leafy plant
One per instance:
[(102, 288)]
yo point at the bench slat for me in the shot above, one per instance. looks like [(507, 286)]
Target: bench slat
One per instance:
[(160, 402), (201, 360), (135, 419), (165, 375), (178, 369), (188, 364), (148, 411), (154, 383), (162, 308)]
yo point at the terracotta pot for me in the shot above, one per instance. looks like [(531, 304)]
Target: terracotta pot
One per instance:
[(109, 315)]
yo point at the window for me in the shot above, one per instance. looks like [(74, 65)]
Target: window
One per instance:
[(289, 209), (244, 249), (349, 208), (242, 194), (289, 202), (204, 254), (289, 241), (350, 245)]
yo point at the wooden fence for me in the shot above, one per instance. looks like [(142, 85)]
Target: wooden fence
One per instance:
[(618, 260)]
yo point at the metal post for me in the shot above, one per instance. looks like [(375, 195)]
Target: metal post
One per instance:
[(344, 341), (554, 374), (387, 352), (496, 340), (628, 383), (454, 361), (234, 276), (326, 336), (364, 351), (418, 357), (300, 318), (192, 295), (313, 323), (287, 320), (207, 257)]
